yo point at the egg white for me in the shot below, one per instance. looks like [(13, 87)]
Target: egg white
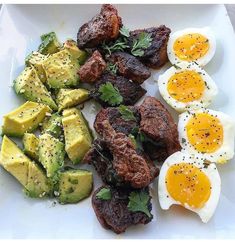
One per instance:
[(165, 199), (206, 31), (225, 151), (209, 93)]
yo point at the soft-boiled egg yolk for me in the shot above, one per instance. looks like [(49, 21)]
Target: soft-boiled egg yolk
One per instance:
[(190, 47), (187, 183), (186, 86), (205, 132)]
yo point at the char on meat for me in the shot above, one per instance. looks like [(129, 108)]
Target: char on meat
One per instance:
[(156, 54), (103, 27), (93, 68), (158, 125), (130, 67), (101, 158), (130, 91), (115, 119), (114, 213)]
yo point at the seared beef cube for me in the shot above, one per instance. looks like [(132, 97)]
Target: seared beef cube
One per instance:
[(130, 67), (156, 54), (130, 91), (93, 68), (116, 120), (158, 125), (103, 27), (114, 213), (102, 159)]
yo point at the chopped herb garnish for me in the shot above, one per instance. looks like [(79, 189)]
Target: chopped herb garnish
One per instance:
[(120, 44), (138, 202), (104, 194), (126, 113), (110, 94), (112, 68), (125, 31), (183, 140), (133, 140), (143, 42)]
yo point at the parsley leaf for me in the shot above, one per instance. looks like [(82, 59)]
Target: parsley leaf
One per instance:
[(125, 31), (104, 194), (126, 113), (120, 44), (112, 68), (110, 94), (138, 202), (143, 42)]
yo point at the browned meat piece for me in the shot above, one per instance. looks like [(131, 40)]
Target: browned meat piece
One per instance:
[(93, 68), (158, 125), (103, 27), (114, 214), (102, 159), (130, 91), (128, 164), (130, 67), (156, 54), (118, 123)]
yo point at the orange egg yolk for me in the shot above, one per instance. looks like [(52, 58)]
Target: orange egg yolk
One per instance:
[(186, 86), (186, 183), (191, 47), (205, 132)]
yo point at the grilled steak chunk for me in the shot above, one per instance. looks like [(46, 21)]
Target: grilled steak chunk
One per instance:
[(101, 158), (156, 54), (93, 68), (103, 27), (132, 167), (130, 67), (115, 119), (158, 125), (130, 91), (114, 213)]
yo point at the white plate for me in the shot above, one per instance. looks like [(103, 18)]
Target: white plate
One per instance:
[(20, 28)]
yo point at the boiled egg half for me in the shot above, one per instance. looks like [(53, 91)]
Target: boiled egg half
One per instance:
[(190, 182), (191, 44), (187, 86), (208, 133)]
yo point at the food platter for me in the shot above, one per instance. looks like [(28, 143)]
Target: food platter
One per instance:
[(28, 218)]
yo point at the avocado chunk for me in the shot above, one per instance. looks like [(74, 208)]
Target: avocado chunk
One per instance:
[(31, 88), (51, 154), (25, 118), (50, 44), (79, 55), (28, 173), (53, 125), (67, 98), (30, 142), (61, 70), (74, 185), (36, 59), (78, 139)]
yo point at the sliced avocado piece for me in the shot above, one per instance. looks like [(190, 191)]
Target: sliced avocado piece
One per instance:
[(53, 125), (79, 55), (36, 59), (50, 44), (30, 142), (51, 154), (25, 118), (31, 88), (61, 70), (77, 135), (28, 173), (74, 185), (67, 98)]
